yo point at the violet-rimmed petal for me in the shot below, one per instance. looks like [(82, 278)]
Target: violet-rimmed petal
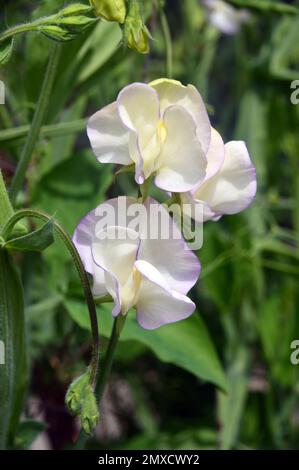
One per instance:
[(153, 275)]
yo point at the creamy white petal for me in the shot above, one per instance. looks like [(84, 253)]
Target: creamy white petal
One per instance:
[(157, 304), (182, 163), (138, 107), (139, 110), (170, 255), (109, 138), (112, 285), (115, 251), (215, 155), (83, 238), (173, 92), (233, 187)]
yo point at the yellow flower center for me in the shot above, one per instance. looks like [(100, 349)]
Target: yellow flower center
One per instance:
[(162, 132)]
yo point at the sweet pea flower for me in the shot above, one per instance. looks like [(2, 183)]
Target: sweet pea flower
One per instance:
[(229, 186), (152, 274), (162, 128), (225, 17)]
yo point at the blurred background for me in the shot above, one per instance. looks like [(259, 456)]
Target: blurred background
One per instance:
[(167, 387)]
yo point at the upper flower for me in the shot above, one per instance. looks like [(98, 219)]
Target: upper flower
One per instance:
[(225, 17), (137, 269), (163, 128), (229, 186)]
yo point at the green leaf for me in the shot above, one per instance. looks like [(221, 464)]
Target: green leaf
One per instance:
[(266, 5), (231, 405), (186, 344), (38, 240), (285, 50), (6, 48), (13, 374)]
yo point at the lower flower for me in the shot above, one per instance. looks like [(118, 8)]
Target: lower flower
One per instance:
[(141, 261)]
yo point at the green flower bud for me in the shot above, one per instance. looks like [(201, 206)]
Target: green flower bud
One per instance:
[(81, 401), (76, 9), (136, 34), (76, 393), (89, 415), (67, 23), (110, 10)]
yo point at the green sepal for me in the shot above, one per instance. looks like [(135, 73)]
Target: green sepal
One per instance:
[(38, 240)]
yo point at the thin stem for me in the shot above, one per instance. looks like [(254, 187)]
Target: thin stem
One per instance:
[(18, 29), (108, 360), (6, 210), (49, 130), (37, 122), (168, 44), (81, 271), (143, 190), (105, 371)]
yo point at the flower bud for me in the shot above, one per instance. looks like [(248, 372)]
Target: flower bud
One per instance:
[(136, 34), (89, 415), (110, 10), (67, 23), (81, 401), (76, 393)]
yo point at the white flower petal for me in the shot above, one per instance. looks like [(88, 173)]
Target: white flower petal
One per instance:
[(83, 238), (138, 107), (233, 188), (157, 304), (215, 155), (172, 257), (113, 289), (115, 251), (182, 163), (109, 138), (173, 92)]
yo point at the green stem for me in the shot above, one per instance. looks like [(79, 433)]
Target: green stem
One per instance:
[(168, 44), (49, 130), (81, 271), (6, 210), (18, 29), (105, 371), (37, 122), (108, 360), (144, 188), (266, 5)]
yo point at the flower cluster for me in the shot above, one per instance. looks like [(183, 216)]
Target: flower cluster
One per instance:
[(162, 130)]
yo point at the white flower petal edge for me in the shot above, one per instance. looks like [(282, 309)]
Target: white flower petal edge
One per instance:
[(157, 303), (232, 188), (182, 163), (108, 137), (215, 155), (179, 266), (83, 239), (173, 92)]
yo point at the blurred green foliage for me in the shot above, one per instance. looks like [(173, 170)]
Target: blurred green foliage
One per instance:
[(248, 291)]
